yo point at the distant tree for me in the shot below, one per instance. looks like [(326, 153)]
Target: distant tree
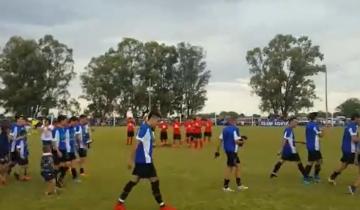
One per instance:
[(256, 115), (69, 107), (191, 78), (34, 74), (281, 74), (229, 114), (348, 107)]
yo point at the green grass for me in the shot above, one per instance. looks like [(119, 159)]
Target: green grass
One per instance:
[(190, 180)]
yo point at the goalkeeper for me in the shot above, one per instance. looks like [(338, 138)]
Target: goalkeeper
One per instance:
[(231, 140)]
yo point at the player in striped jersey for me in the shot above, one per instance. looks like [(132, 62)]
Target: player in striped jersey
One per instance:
[(289, 152)]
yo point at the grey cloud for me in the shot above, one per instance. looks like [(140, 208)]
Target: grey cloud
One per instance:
[(225, 28)]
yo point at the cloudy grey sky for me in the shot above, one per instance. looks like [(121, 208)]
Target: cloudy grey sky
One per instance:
[(225, 28)]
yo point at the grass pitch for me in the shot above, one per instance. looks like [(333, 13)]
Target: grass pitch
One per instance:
[(190, 179)]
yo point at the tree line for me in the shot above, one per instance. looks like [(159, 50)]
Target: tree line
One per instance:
[(136, 75), (35, 75)]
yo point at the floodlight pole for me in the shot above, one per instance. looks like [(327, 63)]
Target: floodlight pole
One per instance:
[(326, 97)]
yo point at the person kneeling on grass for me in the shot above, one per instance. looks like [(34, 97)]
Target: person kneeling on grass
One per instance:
[(141, 155), (289, 153), (231, 141), (48, 171)]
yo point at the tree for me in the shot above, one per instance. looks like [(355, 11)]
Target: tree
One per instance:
[(282, 71), (34, 74), (191, 78), (229, 114), (71, 106), (119, 79), (349, 107)]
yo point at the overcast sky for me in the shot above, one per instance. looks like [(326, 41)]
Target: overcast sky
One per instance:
[(225, 28)]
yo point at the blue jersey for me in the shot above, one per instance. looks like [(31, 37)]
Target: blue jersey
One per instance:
[(4, 144), (312, 136), (229, 136), (144, 149), (14, 134), (70, 134), (22, 148), (79, 136), (62, 142), (289, 142), (348, 146)]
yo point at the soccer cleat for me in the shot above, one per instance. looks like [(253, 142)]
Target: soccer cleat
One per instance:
[(273, 175), (77, 181), (167, 208), (242, 188), (352, 189), (17, 176), (228, 189), (331, 181), (307, 180), (316, 179), (25, 178), (119, 206)]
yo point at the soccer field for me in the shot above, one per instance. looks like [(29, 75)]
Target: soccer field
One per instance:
[(190, 179)]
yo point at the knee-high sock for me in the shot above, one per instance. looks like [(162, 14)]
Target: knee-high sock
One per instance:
[(155, 186), (126, 191)]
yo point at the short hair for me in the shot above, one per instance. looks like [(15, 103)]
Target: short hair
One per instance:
[(292, 118), (18, 116), (5, 125), (354, 116), (313, 115), (74, 118), (61, 118), (154, 113), (83, 116)]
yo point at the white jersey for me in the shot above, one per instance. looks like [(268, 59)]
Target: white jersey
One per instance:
[(46, 133)]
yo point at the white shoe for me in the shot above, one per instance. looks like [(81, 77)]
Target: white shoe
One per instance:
[(77, 180), (228, 190), (331, 181), (242, 188)]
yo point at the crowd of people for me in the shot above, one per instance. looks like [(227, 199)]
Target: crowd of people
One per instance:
[(65, 142)]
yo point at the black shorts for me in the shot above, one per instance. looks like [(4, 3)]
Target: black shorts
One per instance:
[(291, 157), (65, 156), (23, 161), (14, 157), (46, 143), (207, 134), (56, 157), (48, 176), (72, 156), (189, 135), (163, 136), (348, 158), (197, 135), (130, 133), (82, 153), (177, 137), (145, 170), (4, 159), (314, 156), (232, 159)]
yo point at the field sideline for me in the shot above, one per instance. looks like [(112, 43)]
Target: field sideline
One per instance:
[(190, 180)]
